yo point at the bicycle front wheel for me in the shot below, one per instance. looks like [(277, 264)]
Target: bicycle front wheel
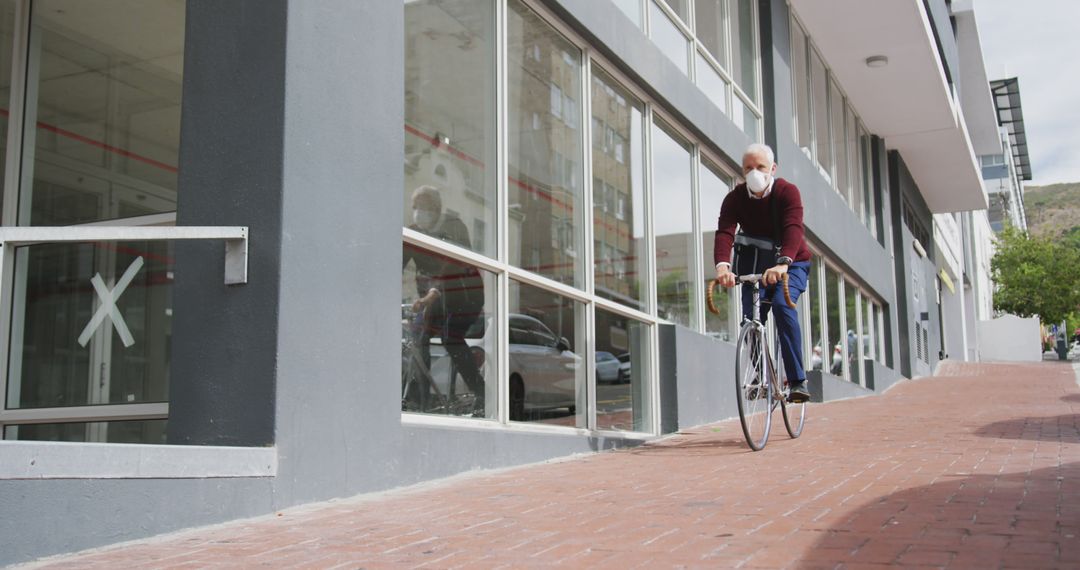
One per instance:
[(752, 393)]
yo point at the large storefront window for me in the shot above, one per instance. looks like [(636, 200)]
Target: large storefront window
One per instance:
[(672, 186), (450, 119), (546, 159), (7, 41), (73, 353), (853, 334), (448, 336), (547, 358), (102, 124), (91, 324), (833, 310), (820, 353), (624, 404), (714, 185), (618, 192)]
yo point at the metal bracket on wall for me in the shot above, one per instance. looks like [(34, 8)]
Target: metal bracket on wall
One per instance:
[(235, 237)]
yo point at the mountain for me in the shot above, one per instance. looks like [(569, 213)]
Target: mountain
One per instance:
[(1053, 209)]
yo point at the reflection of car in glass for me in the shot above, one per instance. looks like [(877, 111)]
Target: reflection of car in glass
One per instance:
[(607, 367), (543, 370), (542, 367), (624, 367)]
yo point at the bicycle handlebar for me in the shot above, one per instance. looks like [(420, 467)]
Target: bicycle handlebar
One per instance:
[(753, 278)]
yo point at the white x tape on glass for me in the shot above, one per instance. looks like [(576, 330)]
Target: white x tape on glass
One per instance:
[(108, 305)]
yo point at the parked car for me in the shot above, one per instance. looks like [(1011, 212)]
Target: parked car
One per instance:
[(607, 367)]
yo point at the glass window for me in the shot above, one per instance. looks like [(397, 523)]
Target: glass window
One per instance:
[(619, 219), (673, 225), (819, 352), (853, 334), (836, 114), (820, 100), (681, 8), (142, 431), (868, 181), (744, 118), (711, 28), (858, 170), (667, 36), (448, 336), (710, 81), (801, 85), (714, 186), (545, 159), (744, 40), (68, 348), (624, 404), (832, 321), (103, 118), (547, 358), (879, 319), (869, 330), (631, 8)]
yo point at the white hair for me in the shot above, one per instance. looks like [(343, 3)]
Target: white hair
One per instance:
[(763, 149), (429, 193)]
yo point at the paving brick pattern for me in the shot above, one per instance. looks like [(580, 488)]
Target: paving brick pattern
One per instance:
[(976, 468)]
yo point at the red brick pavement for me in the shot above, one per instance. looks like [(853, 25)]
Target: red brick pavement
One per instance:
[(978, 468)]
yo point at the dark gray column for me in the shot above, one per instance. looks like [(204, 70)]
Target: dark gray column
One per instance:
[(225, 339)]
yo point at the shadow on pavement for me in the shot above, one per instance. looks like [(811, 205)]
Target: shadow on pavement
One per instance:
[(1028, 520), (1063, 428), (1071, 398)]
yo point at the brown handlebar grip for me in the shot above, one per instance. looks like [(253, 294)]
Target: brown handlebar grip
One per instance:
[(709, 297), (787, 294)]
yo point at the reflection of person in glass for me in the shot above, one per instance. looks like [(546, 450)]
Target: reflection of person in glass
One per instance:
[(771, 208), (450, 294)]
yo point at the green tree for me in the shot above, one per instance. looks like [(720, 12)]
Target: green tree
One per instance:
[(1036, 276)]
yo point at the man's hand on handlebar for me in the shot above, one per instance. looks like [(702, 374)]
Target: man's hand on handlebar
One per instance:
[(774, 274), (426, 301), (724, 276)]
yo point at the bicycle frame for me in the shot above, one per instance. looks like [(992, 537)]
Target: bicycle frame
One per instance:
[(771, 346)]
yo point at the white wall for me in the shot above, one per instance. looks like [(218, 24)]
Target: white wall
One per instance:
[(1010, 339)]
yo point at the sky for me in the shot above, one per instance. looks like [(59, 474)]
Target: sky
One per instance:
[(1038, 41)]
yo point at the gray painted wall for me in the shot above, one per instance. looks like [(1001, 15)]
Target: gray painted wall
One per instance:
[(705, 375), (825, 387)]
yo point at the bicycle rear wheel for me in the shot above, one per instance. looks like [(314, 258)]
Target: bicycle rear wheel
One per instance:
[(753, 395)]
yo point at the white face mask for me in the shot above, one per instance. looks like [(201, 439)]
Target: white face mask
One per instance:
[(757, 181), (425, 218)]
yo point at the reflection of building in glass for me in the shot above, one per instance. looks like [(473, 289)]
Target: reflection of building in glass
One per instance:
[(614, 239)]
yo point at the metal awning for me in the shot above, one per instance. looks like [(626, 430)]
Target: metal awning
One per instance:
[(1011, 116)]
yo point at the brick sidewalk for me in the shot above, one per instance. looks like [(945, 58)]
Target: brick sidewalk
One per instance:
[(979, 468)]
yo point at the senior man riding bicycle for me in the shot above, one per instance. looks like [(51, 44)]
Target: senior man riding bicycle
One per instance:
[(770, 210)]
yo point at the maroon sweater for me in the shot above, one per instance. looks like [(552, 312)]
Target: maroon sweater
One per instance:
[(755, 217)]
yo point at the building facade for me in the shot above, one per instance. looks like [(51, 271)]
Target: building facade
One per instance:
[(578, 152)]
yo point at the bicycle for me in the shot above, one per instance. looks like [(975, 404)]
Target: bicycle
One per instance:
[(419, 390), (760, 382)]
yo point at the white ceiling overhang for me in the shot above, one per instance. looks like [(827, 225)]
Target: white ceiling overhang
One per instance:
[(908, 102)]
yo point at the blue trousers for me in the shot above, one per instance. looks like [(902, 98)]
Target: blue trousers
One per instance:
[(787, 319)]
